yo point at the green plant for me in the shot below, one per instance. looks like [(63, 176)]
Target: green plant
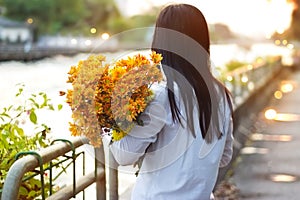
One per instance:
[(15, 138)]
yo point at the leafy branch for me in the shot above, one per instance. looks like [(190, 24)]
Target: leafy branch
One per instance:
[(15, 139)]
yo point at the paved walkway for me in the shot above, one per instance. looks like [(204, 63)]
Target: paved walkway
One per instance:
[(269, 165)]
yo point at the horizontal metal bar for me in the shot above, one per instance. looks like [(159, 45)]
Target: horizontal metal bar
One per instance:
[(28, 163), (82, 183)]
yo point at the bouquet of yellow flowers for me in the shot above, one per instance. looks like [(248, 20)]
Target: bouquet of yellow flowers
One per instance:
[(110, 98)]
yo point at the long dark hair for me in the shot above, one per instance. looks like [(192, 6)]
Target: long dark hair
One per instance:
[(181, 35)]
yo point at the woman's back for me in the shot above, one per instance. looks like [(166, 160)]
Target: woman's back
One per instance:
[(176, 165)]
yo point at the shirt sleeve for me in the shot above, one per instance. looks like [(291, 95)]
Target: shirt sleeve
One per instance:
[(228, 149), (130, 148)]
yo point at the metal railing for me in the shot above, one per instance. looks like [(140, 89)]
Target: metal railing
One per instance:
[(244, 81), (35, 161)]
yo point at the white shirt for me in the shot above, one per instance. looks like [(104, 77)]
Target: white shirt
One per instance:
[(176, 165)]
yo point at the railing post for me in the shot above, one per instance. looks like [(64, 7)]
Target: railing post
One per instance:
[(100, 181), (113, 177)]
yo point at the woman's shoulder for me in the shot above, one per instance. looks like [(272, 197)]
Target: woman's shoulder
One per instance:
[(159, 89)]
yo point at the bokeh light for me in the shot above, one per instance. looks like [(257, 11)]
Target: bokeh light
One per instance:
[(270, 114), (88, 42), (290, 46), (105, 36), (286, 87), (278, 94), (249, 67), (229, 78), (74, 41), (282, 178), (287, 117), (93, 30), (251, 85), (244, 79), (284, 42), (29, 20)]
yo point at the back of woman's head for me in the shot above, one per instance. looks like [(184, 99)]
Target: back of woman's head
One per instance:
[(185, 19), (181, 35)]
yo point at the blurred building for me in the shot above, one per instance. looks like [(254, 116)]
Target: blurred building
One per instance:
[(14, 32)]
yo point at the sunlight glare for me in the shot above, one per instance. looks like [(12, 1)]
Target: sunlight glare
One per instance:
[(248, 17)]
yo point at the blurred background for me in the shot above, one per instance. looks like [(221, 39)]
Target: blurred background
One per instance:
[(81, 25), (54, 34), (95, 17)]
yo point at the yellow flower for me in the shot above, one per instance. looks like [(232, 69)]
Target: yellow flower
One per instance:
[(72, 74), (73, 129), (141, 60), (69, 97), (117, 135), (156, 57)]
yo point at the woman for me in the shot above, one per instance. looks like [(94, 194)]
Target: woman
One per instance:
[(187, 131)]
